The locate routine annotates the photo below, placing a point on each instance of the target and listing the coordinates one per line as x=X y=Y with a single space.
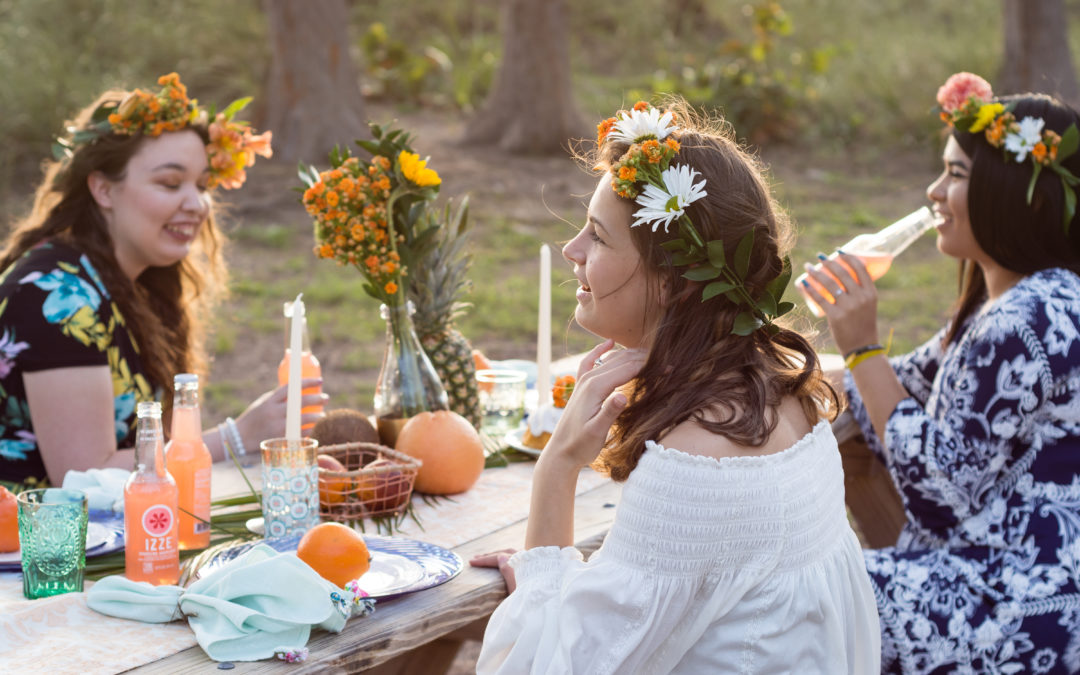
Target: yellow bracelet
x=856 y=359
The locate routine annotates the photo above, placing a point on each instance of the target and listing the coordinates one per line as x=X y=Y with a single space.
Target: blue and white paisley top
x=985 y=452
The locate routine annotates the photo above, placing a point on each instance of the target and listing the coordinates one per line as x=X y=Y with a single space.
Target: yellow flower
x=987 y=113
x=415 y=169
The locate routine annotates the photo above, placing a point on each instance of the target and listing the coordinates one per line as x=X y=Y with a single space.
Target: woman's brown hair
x=166 y=309
x=697 y=369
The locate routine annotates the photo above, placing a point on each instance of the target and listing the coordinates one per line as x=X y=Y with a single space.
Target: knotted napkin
x=104 y=488
x=249 y=609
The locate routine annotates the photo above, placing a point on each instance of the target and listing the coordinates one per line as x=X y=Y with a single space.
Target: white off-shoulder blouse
x=734 y=565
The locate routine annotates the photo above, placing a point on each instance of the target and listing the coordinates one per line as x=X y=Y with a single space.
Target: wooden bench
x=869 y=491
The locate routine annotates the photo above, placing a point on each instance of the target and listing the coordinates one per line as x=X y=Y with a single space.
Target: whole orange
x=449 y=447
x=9 y=521
x=338 y=553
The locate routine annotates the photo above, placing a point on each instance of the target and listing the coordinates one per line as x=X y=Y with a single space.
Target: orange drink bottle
x=189 y=463
x=309 y=365
x=151 y=552
x=875 y=250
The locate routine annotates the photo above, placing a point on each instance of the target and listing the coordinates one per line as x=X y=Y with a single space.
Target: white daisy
x=638 y=125
x=1023 y=141
x=663 y=206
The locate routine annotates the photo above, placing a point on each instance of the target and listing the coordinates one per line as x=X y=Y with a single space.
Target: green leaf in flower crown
x=1070 y=204
x=680 y=259
x=702 y=273
x=716 y=253
x=714 y=289
x=742 y=254
x=1070 y=140
x=235 y=107
x=1031 y=185
x=783 y=308
x=767 y=304
x=745 y=324
x=777 y=286
x=674 y=245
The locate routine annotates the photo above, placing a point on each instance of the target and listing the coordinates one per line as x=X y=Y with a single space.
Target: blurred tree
x=313 y=98
x=1037 y=54
x=531 y=107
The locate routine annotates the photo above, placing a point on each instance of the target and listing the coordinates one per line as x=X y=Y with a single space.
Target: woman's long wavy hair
x=697 y=369
x=166 y=309
x=1020 y=237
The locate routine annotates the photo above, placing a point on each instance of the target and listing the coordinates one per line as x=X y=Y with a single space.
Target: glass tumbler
x=52 y=537
x=290 y=496
x=502 y=400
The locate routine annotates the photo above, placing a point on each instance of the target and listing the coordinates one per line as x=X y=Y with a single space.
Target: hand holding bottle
x=852 y=313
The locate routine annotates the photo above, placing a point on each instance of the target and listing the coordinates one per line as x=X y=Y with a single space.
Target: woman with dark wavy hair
x=108 y=283
x=731 y=548
x=980 y=427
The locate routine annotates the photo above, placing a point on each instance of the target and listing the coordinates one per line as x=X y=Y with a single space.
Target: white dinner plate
x=514 y=440
x=97 y=535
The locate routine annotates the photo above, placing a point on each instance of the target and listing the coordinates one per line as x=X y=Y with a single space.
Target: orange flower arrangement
x=564 y=387
x=363 y=210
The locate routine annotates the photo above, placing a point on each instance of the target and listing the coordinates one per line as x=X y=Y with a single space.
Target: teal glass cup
x=52 y=537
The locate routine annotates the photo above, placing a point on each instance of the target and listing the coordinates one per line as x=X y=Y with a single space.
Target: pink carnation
x=959 y=88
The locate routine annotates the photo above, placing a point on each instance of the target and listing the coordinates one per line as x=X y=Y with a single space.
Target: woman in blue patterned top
x=107 y=284
x=980 y=427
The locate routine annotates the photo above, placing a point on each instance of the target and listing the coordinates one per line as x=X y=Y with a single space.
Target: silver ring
x=596 y=363
x=838 y=293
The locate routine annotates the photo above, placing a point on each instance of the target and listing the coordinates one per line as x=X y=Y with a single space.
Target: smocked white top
x=736 y=565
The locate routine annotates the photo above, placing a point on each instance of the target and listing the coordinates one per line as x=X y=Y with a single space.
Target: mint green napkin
x=254 y=605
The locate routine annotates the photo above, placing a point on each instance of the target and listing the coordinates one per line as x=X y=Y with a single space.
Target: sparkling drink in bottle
x=189 y=463
x=309 y=365
x=876 y=250
x=151 y=551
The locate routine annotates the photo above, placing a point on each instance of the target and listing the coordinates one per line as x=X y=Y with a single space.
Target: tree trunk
x=1037 y=54
x=531 y=107
x=313 y=98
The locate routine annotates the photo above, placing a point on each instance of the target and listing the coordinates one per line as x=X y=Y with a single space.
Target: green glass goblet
x=52 y=536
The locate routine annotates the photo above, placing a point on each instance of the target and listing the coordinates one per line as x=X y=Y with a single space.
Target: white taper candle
x=292 y=403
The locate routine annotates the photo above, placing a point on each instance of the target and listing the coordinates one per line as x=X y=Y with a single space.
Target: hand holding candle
x=292 y=403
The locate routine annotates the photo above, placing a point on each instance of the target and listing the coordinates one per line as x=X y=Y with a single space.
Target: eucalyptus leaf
x=1031 y=185
x=714 y=289
x=1070 y=140
x=701 y=273
x=742 y=254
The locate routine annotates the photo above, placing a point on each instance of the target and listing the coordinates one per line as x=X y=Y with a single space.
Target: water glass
x=290 y=494
x=52 y=537
x=502 y=400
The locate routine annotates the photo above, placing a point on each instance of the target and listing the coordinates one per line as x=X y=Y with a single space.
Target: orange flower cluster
x=564 y=387
x=639 y=163
x=153 y=114
x=232 y=149
x=349 y=205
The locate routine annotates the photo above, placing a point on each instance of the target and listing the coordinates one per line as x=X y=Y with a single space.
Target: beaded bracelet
x=234 y=438
x=860 y=355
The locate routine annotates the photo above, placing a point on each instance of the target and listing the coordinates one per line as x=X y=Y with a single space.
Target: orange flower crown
x=564 y=387
x=966 y=103
x=232 y=147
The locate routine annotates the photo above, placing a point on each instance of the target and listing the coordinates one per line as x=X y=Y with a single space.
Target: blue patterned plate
x=398 y=565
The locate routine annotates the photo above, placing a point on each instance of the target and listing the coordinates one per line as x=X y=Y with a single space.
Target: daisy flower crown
x=965 y=102
x=648 y=174
x=232 y=147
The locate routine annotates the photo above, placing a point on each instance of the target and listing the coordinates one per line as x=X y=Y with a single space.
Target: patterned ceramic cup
x=290 y=496
x=52 y=536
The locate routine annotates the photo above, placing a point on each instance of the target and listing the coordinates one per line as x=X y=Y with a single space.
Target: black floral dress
x=55 y=312
x=985 y=577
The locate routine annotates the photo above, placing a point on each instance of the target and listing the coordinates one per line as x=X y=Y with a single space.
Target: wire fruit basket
x=378 y=481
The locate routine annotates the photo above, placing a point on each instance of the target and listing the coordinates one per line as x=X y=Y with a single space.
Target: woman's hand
x=852 y=316
x=594 y=405
x=265 y=417
x=498 y=559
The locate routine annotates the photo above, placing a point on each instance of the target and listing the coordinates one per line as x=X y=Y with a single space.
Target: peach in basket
x=376 y=481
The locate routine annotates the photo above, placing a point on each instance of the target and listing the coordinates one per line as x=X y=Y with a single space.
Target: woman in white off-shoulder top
x=731 y=550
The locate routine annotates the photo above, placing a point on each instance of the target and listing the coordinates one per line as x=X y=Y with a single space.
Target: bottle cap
x=185 y=378
x=148 y=409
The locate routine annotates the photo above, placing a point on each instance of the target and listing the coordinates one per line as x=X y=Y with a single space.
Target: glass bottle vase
x=407 y=382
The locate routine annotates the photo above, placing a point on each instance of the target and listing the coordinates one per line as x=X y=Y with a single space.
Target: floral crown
x=662 y=191
x=232 y=147
x=965 y=102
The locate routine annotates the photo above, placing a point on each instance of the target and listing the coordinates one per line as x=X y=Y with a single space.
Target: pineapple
x=436 y=283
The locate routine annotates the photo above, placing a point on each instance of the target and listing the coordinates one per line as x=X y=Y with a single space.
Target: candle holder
x=290 y=495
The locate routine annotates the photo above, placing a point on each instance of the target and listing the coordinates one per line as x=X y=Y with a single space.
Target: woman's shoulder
x=692 y=438
x=43 y=258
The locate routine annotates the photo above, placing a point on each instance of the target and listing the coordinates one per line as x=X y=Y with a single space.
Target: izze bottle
x=151 y=551
x=189 y=463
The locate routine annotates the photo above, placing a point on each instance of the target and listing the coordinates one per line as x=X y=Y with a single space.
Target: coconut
x=344 y=426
